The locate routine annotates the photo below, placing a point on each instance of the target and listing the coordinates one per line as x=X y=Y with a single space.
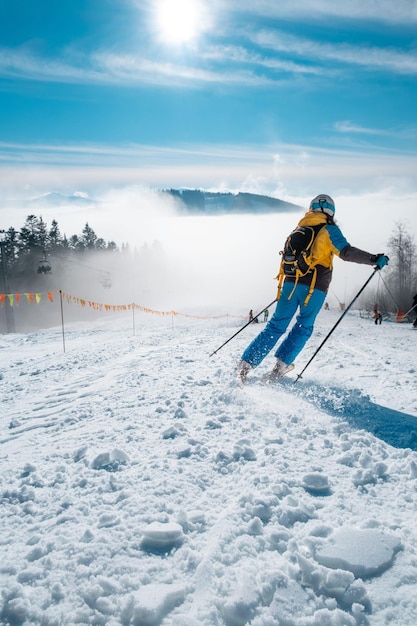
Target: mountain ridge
x=200 y=202
x=188 y=201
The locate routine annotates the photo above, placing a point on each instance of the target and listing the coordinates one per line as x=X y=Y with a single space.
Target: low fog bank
x=177 y=262
x=167 y=260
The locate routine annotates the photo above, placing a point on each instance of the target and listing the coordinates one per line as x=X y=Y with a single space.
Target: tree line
x=26 y=253
x=39 y=259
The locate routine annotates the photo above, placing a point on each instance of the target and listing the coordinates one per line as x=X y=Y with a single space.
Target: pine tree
x=89 y=238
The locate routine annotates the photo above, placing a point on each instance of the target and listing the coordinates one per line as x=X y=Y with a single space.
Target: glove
x=380 y=260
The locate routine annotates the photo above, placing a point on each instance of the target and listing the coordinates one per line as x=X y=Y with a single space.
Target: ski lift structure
x=105 y=279
x=399 y=316
x=104 y=276
x=44 y=267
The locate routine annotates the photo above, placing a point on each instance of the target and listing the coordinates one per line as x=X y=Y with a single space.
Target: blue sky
x=103 y=73
x=284 y=98
x=114 y=98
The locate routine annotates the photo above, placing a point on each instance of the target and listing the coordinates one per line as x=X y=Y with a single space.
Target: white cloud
x=371 y=57
x=220 y=64
x=348 y=127
x=385 y=11
x=123 y=69
x=239 y=54
x=26 y=63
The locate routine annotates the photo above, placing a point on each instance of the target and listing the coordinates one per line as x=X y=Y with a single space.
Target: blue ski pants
x=300 y=332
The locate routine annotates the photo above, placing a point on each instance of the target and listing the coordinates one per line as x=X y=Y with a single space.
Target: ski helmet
x=323 y=203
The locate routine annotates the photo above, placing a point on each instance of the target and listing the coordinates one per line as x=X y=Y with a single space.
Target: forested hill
x=189 y=201
x=199 y=202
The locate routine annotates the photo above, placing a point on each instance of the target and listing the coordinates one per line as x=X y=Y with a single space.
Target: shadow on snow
x=395 y=428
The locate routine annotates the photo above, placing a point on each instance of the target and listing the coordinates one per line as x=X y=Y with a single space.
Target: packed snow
x=140 y=485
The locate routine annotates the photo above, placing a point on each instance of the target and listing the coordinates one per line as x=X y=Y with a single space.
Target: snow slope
x=139 y=485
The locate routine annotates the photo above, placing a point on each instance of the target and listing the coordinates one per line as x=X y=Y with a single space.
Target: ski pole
x=337 y=323
x=243 y=327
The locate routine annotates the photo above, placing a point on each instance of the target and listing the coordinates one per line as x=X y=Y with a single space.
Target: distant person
x=377 y=317
x=326 y=306
x=266 y=314
x=252 y=319
x=305 y=294
x=415 y=310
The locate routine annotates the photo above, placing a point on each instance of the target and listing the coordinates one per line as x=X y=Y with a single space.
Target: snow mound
x=316 y=483
x=365 y=553
x=162 y=535
x=110 y=461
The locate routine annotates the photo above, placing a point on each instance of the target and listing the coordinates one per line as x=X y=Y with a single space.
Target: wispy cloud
x=126 y=154
x=127 y=69
x=242 y=55
x=371 y=57
x=24 y=63
x=277 y=55
x=349 y=127
x=379 y=11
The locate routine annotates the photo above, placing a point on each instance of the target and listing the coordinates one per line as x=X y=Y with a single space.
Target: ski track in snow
x=249 y=485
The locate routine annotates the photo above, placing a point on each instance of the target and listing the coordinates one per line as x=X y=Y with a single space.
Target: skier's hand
x=380 y=260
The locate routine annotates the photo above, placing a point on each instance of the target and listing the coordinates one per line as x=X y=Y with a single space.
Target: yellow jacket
x=328 y=242
x=322 y=250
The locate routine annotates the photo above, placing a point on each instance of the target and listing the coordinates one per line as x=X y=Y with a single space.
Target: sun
x=179 y=21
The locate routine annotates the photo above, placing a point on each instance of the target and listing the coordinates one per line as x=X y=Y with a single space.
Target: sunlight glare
x=179 y=21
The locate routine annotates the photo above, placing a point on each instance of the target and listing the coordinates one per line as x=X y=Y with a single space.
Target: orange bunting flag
x=97 y=306
x=14 y=299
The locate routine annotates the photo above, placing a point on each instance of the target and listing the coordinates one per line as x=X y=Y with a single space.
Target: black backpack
x=296 y=260
x=297 y=250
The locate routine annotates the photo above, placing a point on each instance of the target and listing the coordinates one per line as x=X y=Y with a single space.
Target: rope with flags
x=14 y=299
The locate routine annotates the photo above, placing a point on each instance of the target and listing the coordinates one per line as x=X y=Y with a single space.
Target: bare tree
x=402 y=274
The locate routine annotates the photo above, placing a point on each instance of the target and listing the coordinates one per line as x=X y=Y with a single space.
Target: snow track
x=248 y=486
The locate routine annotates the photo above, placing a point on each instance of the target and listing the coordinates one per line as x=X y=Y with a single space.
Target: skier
x=266 y=314
x=328 y=242
x=377 y=317
x=415 y=310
